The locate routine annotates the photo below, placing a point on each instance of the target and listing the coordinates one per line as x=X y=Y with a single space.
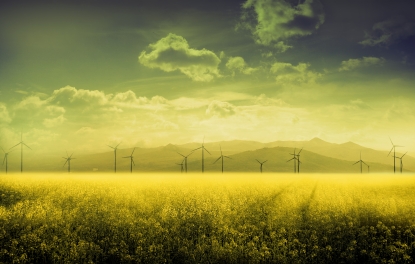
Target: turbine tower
x=295 y=160
x=401 y=160
x=298 y=159
x=260 y=167
x=181 y=166
x=115 y=156
x=68 y=160
x=361 y=161
x=6 y=154
x=131 y=160
x=185 y=159
x=203 y=157
x=394 y=156
x=21 y=143
x=221 y=157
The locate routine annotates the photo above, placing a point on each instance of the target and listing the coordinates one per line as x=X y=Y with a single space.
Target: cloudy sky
x=77 y=75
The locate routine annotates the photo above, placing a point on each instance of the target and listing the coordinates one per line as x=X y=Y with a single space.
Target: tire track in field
x=260 y=209
x=305 y=207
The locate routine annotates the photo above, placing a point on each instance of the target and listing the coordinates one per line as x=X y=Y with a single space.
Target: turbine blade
x=110 y=147
x=364 y=163
x=258 y=161
x=207 y=151
x=290 y=159
x=356 y=162
x=391 y=140
x=264 y=161
x=299 y=151
x=227 y=157
x=132 y=152
x=189 y=154
x=117 y=145
x=404 y=154
x=65 y=163
x=390 y=151
x=133 y=161
x=181 y=154
x=398 y=146
x=217 y=160
x=16 y=145
x=196 y=148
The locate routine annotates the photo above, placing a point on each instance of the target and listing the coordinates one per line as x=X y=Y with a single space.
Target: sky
x=81 y=75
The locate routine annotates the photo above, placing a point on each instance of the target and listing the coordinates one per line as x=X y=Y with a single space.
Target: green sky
x=77 y=75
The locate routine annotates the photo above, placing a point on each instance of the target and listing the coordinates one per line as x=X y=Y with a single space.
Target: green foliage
x=167 y=219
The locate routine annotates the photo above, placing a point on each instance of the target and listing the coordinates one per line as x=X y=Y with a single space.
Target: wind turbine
x=21 y=143
x=221 y=157
x=131 y=160
x=298 y=159
x=295 y=159
x=185 y=159
x=68 y=160
x=401 y=160
x=361 y=161
x=394 y=156
x=115 y=156
x=203 y=157
x=181 y=166
x=260 y=167
x=6 y=154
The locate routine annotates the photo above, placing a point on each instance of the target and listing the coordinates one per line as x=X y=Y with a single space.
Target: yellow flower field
x=207 y=218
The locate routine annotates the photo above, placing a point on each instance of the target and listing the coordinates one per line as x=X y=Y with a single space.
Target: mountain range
x=317 y=156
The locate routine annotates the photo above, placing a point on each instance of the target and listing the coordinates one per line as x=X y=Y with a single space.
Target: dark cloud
x=389 y=31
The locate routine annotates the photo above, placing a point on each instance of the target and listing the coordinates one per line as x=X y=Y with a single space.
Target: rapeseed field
x=207 y=218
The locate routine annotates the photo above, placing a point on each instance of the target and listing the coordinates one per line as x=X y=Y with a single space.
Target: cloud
x=30 y=103
x=389 y=31
x=262 y=99
x=52 y=122
x=220 y=109
x=173 y=53
x=84 y=131
x=290 y=74
x=4 y=114
x=130 y=100
x=352 y=64
x=71 y=97
x=278 y=20
x=239 y=64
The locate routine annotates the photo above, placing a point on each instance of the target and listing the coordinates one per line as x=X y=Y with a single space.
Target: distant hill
x=317 y=156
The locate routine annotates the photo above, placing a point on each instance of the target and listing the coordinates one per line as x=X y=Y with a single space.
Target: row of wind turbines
x=183 y=164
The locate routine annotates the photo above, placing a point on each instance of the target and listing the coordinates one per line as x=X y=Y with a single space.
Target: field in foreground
x=210 y=218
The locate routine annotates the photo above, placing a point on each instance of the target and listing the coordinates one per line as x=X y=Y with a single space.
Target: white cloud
x=278 y=20
x=30 y=103
x=288 y=73
x=389 y=31
x=262 y=99
x=52 y=122
x=239 y=64
x=352 y=64
x=69 y=96
x=4 y=114
x=84 y=131
x=129 y=100
x=220 y=109
x=173 y=53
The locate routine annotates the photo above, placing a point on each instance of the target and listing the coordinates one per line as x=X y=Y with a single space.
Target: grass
x=210 y=218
